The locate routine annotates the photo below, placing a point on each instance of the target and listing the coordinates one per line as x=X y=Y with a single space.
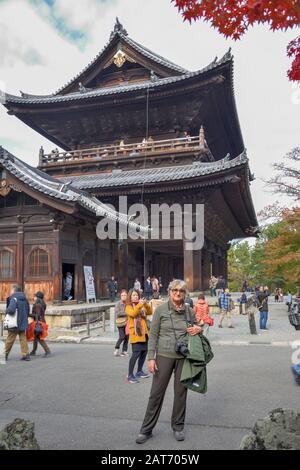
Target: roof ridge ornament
x=153 y=76
x=82 y=88
x=118 y=28
x=202 y=138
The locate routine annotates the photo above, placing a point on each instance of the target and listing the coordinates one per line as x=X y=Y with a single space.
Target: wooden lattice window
x=7 y=263
x=39 y=262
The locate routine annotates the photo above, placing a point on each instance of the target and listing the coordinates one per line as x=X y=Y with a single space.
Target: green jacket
x=162 y=339
x=193 y=374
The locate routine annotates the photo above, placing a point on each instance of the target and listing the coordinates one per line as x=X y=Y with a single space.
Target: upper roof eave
x=27 y=99
x=119 y=33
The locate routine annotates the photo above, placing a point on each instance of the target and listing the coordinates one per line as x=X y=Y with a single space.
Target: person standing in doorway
x=112 y=288
x=18 y=302
x=121 y=320
x=68 y=284
x=137 y=310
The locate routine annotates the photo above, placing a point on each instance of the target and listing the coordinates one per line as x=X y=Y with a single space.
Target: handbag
x=38 y=329
x=121 y=322
x=11 y=321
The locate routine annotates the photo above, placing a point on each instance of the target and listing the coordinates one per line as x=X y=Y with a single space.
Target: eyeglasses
x=181 y=291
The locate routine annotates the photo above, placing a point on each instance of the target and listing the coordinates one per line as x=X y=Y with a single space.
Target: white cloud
x=84 y=15
x=14 y=49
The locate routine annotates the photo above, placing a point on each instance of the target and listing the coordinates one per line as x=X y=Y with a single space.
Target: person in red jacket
x=202 y=311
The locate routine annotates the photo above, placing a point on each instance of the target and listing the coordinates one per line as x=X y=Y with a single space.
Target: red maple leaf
x=233 y=18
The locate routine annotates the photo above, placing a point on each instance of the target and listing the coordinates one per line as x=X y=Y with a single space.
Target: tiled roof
x=48 y=99
x=43 y=183
x=156 y=175
x=121 y=33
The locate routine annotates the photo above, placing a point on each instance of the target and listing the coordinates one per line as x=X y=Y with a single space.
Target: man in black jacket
x=262 y=303
x=112 y=287
x=18 y=302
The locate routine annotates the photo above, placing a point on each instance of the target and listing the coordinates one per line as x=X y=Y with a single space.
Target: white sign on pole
x=89 y=283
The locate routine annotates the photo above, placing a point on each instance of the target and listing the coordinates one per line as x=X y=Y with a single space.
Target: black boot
x=26 y=358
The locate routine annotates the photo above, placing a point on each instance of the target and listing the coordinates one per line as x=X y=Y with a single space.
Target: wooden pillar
x=215 y=265
x=192 y=268
x=123 y=265
x=225 y=266
x=222 y=265
x=79 y=276
x=57 y=266
x=20 y=257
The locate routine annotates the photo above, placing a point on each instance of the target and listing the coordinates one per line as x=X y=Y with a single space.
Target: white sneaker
x=116 y=352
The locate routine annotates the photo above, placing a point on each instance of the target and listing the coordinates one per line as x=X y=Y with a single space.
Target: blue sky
x=60 y=22
x=50 y=41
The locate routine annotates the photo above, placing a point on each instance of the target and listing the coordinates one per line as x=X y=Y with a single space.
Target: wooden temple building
x=132 y=124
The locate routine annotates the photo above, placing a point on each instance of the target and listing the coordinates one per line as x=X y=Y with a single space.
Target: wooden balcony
x=112 y=152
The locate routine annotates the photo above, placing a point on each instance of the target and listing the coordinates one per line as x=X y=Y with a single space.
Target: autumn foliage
x=283 y=252
x=233 y=18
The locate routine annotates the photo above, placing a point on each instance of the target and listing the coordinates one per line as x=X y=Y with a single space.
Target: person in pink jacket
x=202 y=311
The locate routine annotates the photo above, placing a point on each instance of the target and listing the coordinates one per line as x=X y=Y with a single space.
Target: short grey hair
x=179 y=284
x=16 y=288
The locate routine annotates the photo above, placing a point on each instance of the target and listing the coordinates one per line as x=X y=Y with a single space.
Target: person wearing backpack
x=17 y=305
x=38 y=314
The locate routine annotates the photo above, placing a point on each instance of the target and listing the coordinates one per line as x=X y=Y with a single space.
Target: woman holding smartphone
x=137 y=310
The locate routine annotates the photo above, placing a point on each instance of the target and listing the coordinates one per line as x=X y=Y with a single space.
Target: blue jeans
x=263 y=320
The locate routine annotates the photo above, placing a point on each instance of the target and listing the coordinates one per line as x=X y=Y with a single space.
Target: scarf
x=138 y=331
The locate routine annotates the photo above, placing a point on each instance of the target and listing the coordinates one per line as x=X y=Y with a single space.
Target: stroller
x=294 y=315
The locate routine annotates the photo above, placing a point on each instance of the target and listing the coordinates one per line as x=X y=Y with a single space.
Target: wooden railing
x=108 y=152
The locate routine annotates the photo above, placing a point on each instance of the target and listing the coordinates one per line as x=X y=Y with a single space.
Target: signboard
x=89 y=283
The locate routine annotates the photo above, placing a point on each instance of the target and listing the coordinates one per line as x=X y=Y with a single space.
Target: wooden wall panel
x=5 y=288
x=8 y=237
x=103 y=267
x=27 y=252
x=32 y=287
